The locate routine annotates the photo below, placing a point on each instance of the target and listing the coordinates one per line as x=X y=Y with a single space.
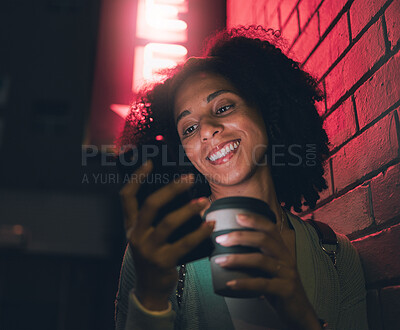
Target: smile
x=224 y=150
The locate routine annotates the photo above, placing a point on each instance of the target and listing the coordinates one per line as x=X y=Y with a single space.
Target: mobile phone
x=166 y=168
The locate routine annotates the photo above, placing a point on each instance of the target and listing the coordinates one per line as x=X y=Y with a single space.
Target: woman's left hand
x=282 y=284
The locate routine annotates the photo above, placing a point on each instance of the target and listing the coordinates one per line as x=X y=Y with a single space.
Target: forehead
x=196 y=88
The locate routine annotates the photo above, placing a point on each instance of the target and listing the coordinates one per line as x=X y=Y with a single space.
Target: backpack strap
x=327 y=238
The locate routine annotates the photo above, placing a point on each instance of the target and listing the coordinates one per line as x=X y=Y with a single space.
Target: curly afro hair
x=251 y=59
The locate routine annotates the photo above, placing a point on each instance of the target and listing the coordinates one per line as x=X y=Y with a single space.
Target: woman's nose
x=209 y=128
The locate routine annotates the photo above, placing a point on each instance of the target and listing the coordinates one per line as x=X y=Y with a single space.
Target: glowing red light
x=159 y=138
x=120 y=109
x=158 y=22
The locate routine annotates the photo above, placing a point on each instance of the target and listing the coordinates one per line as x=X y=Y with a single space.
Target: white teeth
x=223 y=152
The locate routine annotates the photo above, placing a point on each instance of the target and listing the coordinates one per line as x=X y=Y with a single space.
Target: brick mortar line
x=353 y=101
x=371 y=206
x=368 y=74
x=368 y=177
x=385 y=33
x=369 y=125
x=345 y=10
x=397 y=123
x=327 y=31
x=295 y=7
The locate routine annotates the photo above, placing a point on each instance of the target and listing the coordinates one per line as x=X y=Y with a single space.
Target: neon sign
x=159 y=25
x=160 y=34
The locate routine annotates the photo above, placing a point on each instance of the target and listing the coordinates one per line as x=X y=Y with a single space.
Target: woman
x=246 y=118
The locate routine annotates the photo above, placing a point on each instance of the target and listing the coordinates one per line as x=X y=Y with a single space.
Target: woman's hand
x=282 y=284
x=155 y=259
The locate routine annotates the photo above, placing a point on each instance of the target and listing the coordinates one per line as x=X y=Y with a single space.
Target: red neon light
x=158 y=20
x=159 y=138
x=120 y=109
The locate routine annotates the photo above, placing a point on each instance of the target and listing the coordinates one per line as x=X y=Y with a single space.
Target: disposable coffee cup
x=224 y=212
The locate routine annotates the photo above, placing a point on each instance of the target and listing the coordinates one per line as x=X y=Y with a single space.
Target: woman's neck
x=260 y=185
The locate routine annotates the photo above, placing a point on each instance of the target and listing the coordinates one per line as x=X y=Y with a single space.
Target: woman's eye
x=224 y=108
x=189 y=130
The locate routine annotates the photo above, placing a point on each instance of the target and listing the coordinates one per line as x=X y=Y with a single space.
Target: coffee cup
x=224 y=211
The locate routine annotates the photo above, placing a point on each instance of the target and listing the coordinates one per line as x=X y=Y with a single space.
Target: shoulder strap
x=327 y=238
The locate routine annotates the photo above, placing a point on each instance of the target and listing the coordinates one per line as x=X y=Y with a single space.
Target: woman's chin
x=225 y=179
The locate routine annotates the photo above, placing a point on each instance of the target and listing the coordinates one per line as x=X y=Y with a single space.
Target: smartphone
x=165 y=170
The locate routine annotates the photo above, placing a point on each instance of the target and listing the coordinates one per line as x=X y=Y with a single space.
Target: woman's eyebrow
x=181 y=115
x=210 y=97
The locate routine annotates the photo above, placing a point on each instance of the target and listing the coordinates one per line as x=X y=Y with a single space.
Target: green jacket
x=337 y=295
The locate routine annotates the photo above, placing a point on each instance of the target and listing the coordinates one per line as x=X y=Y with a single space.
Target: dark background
x=61 y=240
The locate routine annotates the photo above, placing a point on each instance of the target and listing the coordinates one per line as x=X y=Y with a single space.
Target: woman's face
x=224 y=138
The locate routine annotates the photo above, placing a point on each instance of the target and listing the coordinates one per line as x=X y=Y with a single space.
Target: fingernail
x=201 y=201
x=220 y=260
x=220 y=239
x=241 y=217
x=231 y=283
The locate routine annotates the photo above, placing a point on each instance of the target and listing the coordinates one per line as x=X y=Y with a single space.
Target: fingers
x=251 y=260
x=129 y=191
x=275 y=286
x=257 y=222
x=190 y=241
x=267 y=244
x=175 y=219
x=161 y=197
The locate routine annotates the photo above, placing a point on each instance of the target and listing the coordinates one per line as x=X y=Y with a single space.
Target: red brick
x=329 y=50
x=291 y=29
x=380 y=255
x=286 y=7
x=369 y=151
x=374 y=312
x=392 y=15
x=273 y=21
x=380 y=92
x=307 y=41
x=385 y=189
x=259 y=12
x=272 y=7
x=239 y=12
x=328 y=11
x=390 y=300
x=361 y=58
x=340 y=125
x=348 y=213
x=361 y=12
x=306 y=9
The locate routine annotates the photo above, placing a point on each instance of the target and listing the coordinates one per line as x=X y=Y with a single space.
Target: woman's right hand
x=155 y=259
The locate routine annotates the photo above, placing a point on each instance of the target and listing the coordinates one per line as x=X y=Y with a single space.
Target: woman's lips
x=223 y=152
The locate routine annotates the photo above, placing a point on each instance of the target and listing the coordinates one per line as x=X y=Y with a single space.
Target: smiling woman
x=229 y=111
x=219 y=132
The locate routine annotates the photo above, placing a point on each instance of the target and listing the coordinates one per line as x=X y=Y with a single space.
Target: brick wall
x=352 y=48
